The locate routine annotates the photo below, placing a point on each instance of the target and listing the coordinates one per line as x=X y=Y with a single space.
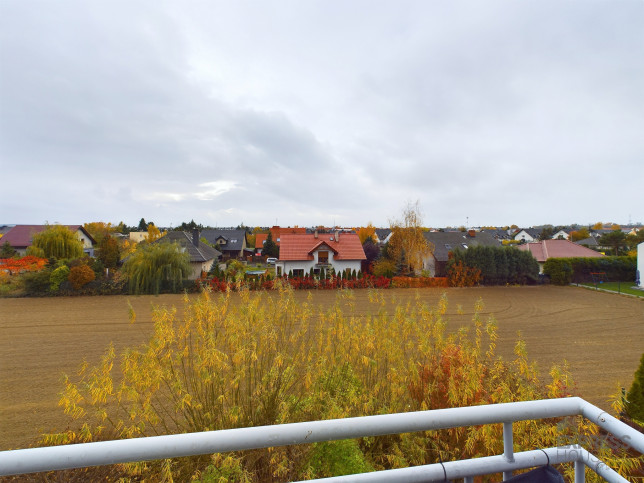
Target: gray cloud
x=309 y=113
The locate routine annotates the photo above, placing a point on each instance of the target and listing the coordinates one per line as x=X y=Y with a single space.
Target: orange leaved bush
x=80 y=276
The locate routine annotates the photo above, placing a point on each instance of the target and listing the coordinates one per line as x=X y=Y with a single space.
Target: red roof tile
x=546 y=249
x=301 y=247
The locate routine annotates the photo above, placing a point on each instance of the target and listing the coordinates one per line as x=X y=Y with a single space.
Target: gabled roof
x=277 y=232
x=347 y=246
x=20 y=236
x=201 y=253
x=588 y=242
x=546 y=249
x=234 y=238
x=383 y=233
x=447 y=241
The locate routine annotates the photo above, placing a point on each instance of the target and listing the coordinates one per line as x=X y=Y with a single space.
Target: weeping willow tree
x=155 y=265
x=56 y=241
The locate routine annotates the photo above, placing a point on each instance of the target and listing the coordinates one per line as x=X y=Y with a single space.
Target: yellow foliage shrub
x=266 y=359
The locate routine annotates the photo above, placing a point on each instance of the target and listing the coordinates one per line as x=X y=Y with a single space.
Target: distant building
x=20 y=237
x=301 y=253
x=546 y=249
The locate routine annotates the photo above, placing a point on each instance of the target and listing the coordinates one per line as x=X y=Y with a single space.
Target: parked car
x=271 y=260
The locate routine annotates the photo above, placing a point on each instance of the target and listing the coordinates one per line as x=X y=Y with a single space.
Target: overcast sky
x=321 y=112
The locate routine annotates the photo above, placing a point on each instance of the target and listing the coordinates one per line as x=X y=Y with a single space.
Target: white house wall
x=640 y=264
x=306 y=265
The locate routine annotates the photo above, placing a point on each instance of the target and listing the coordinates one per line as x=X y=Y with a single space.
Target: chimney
x=472 y=233
x=195 y=237
x=337 y=235
x=315 y=235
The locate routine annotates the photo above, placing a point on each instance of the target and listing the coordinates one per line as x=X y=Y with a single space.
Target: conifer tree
x=270 y=247
x=635 y=397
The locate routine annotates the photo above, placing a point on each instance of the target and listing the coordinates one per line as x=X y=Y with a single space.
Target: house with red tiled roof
x=543 y=250
x=20 y=237
x=277 y=232
x=299 y=253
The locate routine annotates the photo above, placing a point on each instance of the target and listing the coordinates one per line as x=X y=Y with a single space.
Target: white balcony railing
x=171 y=446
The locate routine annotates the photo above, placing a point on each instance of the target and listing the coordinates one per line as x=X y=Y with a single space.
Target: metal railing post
x=580 y=471
x=508 y=447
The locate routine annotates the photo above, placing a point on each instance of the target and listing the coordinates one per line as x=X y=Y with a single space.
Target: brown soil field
x=600 y=335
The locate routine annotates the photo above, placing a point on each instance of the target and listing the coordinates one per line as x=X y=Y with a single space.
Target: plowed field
x=601 y=336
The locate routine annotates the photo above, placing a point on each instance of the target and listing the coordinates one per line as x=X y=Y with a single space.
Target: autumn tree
x=57 y=241
x=367 y=232
x=580 y=234
x=153 y=233
x=109 y=252
x=372 y=252
x=99 y=230
x=155 y=266
x=407 y=245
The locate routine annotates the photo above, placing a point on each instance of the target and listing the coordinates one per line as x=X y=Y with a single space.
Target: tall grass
x=266 y=359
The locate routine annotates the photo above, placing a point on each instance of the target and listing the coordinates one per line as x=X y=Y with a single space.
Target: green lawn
x=618 y=287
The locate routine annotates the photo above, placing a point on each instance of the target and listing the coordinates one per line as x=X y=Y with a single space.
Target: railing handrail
x=189 y=444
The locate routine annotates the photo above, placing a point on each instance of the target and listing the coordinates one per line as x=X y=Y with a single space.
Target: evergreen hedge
x=498 y=265
x=563 y=271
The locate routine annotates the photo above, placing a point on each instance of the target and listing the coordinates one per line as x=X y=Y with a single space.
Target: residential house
x=499 y=234
x=20 y=237
x=561 y=235
x=138 y=236
x=299 y=253
x=590 y=242
x=276 y=233
x=526 y=235
x=231 y=243
x=202 y=256
x=444 y=242
x=543 y=250
x=383 y=235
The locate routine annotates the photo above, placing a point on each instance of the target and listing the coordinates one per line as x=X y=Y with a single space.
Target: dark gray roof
x=382 y=233
x=234 y=239
x=499 y=234
x=445 y=242
x=588 y=242
x=202 y=253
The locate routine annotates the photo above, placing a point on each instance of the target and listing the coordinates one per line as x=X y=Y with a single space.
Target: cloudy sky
x=321 y=112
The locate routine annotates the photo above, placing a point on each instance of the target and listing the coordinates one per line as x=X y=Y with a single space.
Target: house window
x=448 y=246
x=298 y=272
x=234 y=240
x=464 y=246
x=323 y=257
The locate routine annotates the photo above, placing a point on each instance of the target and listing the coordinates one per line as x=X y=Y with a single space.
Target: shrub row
x=300 y=283
x=311 y=283
x=498 y=265
x=563 y=271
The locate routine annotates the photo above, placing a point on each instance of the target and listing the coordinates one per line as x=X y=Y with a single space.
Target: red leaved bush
x=24 y=264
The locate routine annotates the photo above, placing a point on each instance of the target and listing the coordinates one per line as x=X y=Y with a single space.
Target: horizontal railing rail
x=189 y=444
